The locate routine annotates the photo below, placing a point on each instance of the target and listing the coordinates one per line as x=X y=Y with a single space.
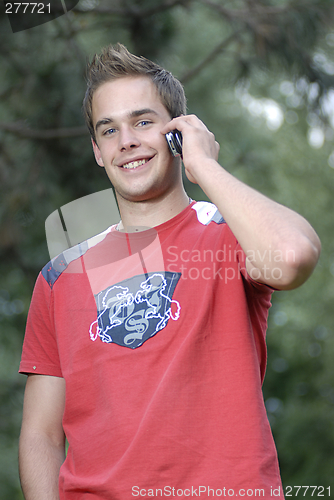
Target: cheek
x=107 y=154
x=156 y=140
x=164 y=143
x=164 y=148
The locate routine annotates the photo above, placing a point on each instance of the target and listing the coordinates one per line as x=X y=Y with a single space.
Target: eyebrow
x=132 y=114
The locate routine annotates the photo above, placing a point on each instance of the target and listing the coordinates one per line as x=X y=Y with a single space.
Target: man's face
x=128 y=116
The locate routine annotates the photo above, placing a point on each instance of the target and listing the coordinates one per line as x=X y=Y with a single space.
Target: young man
x=145 y=346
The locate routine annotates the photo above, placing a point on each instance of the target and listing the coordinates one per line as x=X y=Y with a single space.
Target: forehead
x=120 y=97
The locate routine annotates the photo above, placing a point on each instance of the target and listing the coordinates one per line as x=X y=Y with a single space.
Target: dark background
x=260 y=74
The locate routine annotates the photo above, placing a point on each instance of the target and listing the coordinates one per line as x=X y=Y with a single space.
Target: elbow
x=299 y=262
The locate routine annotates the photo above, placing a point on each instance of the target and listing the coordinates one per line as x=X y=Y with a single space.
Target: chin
x=137 y=196
x=143 y=195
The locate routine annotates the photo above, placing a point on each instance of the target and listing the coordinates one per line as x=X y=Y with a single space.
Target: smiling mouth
x=135 y=164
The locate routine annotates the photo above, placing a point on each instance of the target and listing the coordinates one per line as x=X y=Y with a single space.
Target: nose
x=128 y=139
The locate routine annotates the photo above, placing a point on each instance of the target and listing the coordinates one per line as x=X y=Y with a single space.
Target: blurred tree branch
x=272 y=30
x=209 y=58
x=23 y=131
x=126 y=9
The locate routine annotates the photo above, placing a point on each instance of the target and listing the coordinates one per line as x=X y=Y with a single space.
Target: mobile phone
x=174 y=140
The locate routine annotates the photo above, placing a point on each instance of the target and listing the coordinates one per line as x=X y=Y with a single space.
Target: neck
x=141 y=215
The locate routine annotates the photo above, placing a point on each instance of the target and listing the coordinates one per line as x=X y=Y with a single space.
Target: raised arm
x=281 y=247
x=42 y=439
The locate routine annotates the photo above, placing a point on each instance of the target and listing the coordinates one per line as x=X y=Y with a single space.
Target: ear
x=97 y=153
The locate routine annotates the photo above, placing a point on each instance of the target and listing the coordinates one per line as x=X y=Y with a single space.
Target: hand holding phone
x=174 y=140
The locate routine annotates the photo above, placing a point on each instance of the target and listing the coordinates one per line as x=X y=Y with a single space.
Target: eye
x=109 y=131
x=142 y=123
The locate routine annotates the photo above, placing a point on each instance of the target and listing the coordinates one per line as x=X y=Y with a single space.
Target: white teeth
x=134 y=164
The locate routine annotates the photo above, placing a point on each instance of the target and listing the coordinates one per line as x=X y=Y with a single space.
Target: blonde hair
x=115 y=61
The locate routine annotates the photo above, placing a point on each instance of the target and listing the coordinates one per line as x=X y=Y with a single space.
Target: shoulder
x=207 y=212
x=56 y=266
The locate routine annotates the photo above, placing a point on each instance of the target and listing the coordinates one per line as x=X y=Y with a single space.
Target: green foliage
x=236 y=59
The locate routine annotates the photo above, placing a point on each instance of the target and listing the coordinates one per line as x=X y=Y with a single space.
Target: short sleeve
x=259 y=302
x=40 y=350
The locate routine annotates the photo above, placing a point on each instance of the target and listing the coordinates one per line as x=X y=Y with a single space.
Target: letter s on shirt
x=169 y=250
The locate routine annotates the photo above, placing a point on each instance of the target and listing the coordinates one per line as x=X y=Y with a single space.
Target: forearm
x=281 y=247
x=39 y=462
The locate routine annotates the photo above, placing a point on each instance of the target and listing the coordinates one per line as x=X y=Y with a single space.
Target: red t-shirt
x=160 y=336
